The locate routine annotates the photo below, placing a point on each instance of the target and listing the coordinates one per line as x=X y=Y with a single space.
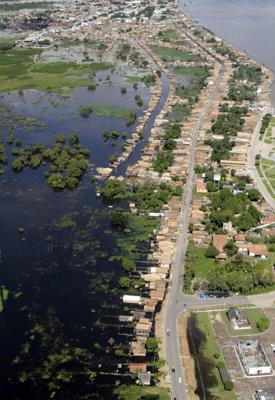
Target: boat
x=98 y=194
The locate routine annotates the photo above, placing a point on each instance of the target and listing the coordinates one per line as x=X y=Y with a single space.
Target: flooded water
x=59 y=327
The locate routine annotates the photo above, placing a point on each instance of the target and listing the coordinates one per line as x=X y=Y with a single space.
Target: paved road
x=256 y=148
x=177 y=299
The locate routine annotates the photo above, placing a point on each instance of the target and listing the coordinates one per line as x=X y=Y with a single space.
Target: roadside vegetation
x=209 y=357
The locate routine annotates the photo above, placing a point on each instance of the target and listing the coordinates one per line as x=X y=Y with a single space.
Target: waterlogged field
x=59 y=291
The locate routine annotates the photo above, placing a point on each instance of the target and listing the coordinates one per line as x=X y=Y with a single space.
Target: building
x=253 y=357
x=238 y=319
x=265 y=394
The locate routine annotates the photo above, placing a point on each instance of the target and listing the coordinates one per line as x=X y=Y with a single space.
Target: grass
x=190 y=71
x=172 y=54
x=267 y=161
x=270 y=191
x=132 y=79
x=253 y=314
x=271 y=173
x=209 y=348
x=18 y=72
x=263 y=264
x=169 y=34
x=134 y=392
x=204 y=265
x=258 y=168
x=105 y=110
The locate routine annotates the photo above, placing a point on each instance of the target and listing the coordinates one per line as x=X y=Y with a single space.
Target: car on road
x=173 y=368
x=168 y=332
x=179 y=380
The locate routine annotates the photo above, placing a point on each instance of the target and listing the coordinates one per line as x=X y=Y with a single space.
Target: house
x=201 y=187
x=227 y=226
x=219 y=241
x=265 y=394
x=258 y=250
x=134 y=367
x=144 y=378
x=239 y=238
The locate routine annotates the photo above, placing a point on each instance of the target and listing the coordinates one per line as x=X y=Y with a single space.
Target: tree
x=263 y=324
x=231 y=249
x=60 y=138
x=119 y=353
x=124 y=282
x=74 y=138
x=254 y=194
x=229 y=386
x=18 y=164
x=56 y=181
x=212 y=252
x=119 y=218
x=123 y=90
x=203 y=208
x=152 y=345
x=128 y=265
x=211 y=187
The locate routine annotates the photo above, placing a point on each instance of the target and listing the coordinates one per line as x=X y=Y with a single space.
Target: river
x=246 y=24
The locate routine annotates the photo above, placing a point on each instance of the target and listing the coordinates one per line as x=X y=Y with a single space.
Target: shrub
x=217 y=355
x=123 y=90
x=229 y=386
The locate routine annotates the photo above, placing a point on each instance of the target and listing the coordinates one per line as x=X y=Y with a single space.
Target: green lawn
x=172 y=54
x=254 y=315
x=190 y=71
x=209 y=348
x=258 y=168
x=267 y=161
x=270 y=191
x=169 y=34
x=265 y=167
x=204 y=265
x=263 y=264
x=134 y=392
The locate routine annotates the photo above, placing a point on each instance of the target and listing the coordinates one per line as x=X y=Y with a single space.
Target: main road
x=177 y=301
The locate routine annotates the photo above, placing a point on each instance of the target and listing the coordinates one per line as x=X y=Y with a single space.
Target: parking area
x=244 y=386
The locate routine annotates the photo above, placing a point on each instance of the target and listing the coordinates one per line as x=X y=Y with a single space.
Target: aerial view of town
x=137 y=193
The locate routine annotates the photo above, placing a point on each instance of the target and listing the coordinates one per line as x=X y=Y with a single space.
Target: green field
x=253 y=314
x=209 y=348
x=190 y=71
x=134 y=392
x=204 y=265
x=18 y=71
x=172 y=54
x=267 y=161
x=169 y=34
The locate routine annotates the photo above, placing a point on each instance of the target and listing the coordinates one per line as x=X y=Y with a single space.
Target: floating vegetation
x=3 y=296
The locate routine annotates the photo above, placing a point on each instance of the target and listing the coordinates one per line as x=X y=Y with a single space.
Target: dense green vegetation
x=147 y=197
x=190 y=264
x=208 y=351
x=64 y=158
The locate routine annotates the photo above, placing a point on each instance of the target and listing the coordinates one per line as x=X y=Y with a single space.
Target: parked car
x=168 y=332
